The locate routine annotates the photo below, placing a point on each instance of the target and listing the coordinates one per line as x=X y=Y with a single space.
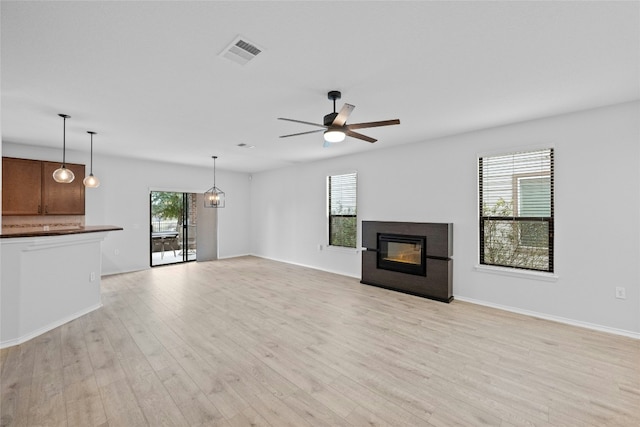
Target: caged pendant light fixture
x=62 y=174
x=214 y=197
x=91 y=181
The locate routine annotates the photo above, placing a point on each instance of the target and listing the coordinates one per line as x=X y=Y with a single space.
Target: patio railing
x=164 y=225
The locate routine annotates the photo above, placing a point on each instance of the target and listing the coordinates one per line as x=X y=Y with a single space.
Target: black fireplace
x=402 y=253
x=411 y=257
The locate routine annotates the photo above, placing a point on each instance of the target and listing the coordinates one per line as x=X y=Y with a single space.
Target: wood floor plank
x=48 y=354
x=87 y=411
x=314 y=411
x=51 y=412
x=248 y=417
x=155 y=401
x=254 y=342
x=277 y=413
x=15 y=384
x=120 y=404
x=14 y=403
x=198 y=409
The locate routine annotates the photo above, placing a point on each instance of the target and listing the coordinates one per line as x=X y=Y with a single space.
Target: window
x=516 y=210
x=342 y=210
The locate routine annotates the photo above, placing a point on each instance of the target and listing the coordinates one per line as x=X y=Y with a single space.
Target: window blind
x=516 y=210
x=342 y=210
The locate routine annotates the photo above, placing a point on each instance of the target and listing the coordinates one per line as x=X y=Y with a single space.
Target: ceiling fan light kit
x=335 y=124
x=333 y=136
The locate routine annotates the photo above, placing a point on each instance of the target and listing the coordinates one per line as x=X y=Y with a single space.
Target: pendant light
x=62 y=174
x=91 y=181
x=214 y=197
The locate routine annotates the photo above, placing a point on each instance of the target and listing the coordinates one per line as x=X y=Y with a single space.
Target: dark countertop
x=33 y=232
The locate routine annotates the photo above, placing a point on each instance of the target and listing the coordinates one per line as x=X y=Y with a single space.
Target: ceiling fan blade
x=301 y=133
x=343 y=115
x=360 y=136
x=304 y=123
x=373 y=124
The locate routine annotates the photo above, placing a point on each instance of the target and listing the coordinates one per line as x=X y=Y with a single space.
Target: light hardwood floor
x=252 y=342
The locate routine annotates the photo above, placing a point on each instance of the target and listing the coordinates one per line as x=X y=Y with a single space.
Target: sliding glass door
x=173 y=219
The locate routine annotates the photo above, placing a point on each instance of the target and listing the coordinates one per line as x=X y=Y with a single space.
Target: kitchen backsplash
x=40 y=222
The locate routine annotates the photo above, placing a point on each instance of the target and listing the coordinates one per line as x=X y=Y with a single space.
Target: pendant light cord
x=91 y=169
x=64 y=140
x=214 y=172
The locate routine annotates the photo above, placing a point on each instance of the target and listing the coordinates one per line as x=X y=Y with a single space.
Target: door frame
x=182 y=234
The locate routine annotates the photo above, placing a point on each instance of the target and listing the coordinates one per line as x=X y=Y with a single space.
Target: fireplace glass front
x=402 y=253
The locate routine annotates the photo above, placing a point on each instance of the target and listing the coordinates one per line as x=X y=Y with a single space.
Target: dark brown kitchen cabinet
x=62 y=199
x=21 y=186
x=28 y=188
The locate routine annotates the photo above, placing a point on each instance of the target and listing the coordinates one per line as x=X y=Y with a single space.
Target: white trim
x=128 y=270
x=232 y=256
x=516 y=272
x=341 y=171
x=313 y=267
x=587 y=325
x=175 y=190
x=58 y=241
x=343 y=249
x=37 y=243
x=513 y=150
x=47 y=328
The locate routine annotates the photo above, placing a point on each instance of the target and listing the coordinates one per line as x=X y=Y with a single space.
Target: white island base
x=47 y=281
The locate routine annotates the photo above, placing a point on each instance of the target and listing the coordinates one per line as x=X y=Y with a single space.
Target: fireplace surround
x=409 y=257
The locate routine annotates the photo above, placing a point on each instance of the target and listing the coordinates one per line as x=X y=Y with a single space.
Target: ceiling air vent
x=241 y=51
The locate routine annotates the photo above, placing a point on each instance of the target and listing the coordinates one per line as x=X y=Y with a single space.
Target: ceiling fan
x=335 y=127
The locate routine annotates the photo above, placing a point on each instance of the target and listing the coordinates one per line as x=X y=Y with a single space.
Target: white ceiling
x=148 y=78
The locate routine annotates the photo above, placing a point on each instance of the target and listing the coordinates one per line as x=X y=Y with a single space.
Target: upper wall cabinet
x=28 y=188
x=62 y=199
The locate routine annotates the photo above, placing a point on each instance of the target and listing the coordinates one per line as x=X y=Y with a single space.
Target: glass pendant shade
x=91 y=181
x=214 y=197
x=62 y=174
x=332 y=135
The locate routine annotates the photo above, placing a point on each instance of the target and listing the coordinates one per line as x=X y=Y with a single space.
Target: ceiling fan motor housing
x=329 y=118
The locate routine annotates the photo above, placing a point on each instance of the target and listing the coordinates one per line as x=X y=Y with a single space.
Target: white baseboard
x=131 y=270
x=47 y=328
x=593 y=326
x=234 y=256
x=313 y=267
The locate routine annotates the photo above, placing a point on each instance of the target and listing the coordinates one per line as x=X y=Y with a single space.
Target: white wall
x=281 y=214
x=597 y=212
x=123 y=200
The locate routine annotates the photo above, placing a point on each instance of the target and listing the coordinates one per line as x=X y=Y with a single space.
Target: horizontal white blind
x=342 y=194
x=343 y=210
x=516 y=209
x=517 y=184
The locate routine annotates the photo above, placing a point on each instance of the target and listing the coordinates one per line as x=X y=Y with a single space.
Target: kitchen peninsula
x=50 y=275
